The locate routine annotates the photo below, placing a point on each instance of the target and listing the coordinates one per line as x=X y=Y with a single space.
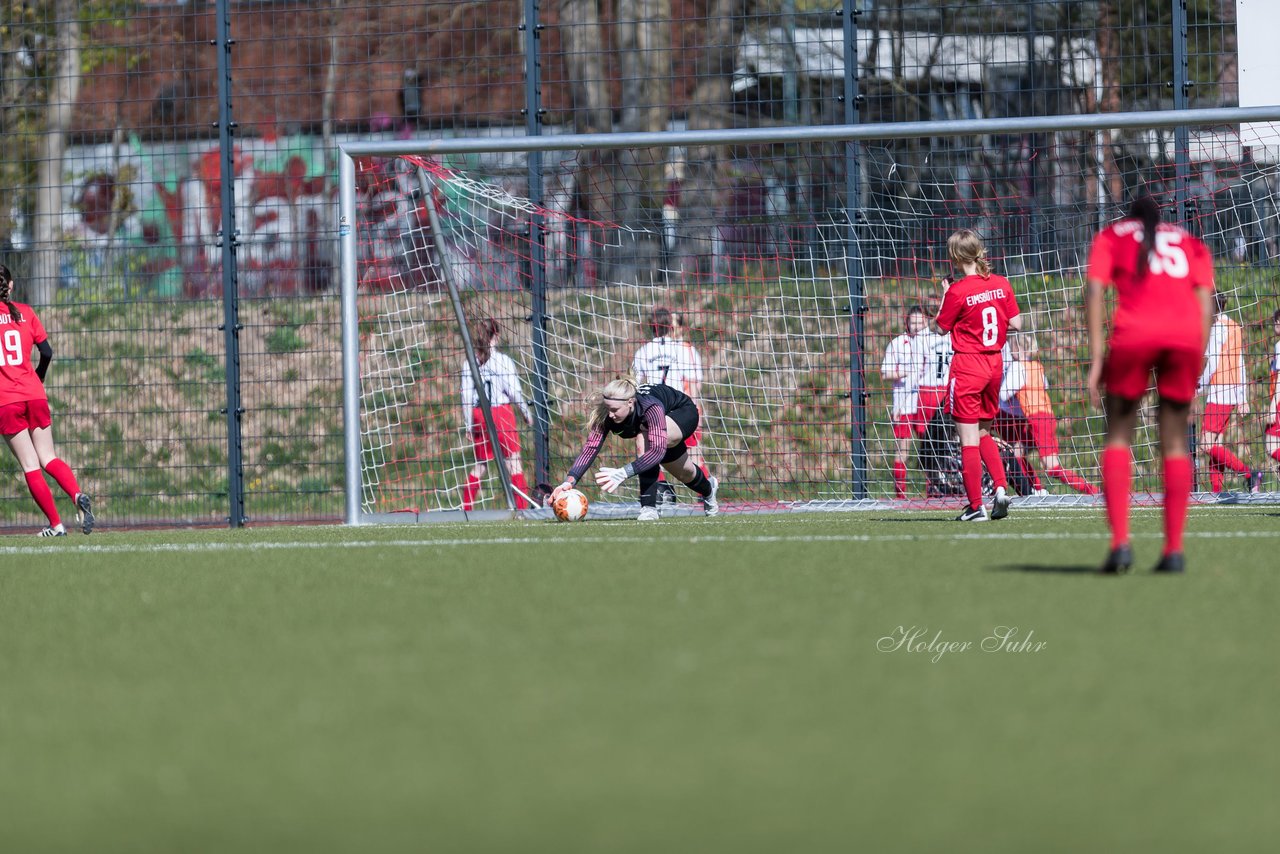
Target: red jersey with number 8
x=977 y=311
x=18 y=380
x=1159 y=306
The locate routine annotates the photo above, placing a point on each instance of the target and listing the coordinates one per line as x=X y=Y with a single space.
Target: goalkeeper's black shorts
x=686 y=418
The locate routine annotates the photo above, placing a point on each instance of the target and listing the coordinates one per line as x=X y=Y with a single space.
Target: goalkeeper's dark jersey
x=648 y=416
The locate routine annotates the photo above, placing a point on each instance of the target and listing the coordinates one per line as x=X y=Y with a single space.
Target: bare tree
x=1110 y=67
x=582 y=37
x=710 y=107
x=726 y=21
x=644 y=65
x=1228 y=56
x=64 y=88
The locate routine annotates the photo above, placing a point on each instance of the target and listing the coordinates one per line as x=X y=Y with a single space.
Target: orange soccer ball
x=571 y=506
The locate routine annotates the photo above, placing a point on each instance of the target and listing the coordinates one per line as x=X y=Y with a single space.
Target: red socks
x=1216 y=480
x=1116 y=483
x=1073 y=480
x=470 y=491
x=971 y=472
x=990 y=452
x=518 y=481
x=61 y=472
x=900 y=478
x=972 y=459
x=1220 y=455
x=1177 y=495
x=44 y=498
x=1029 y=471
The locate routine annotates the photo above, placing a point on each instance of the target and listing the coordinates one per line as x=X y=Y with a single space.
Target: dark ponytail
x=6 y=294
x=483 y=331
x=1145 y=209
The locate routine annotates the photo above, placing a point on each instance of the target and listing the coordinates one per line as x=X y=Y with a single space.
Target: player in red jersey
x=978 y=311
x=24 y=410
x=1163 y=278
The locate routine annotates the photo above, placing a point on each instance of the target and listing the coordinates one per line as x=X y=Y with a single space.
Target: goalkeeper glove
x=610 y=479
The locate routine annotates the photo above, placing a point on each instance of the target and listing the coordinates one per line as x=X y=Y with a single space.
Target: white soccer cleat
x=1040 y=493
x=59 y=531
x=648 y=514
x=710 y=506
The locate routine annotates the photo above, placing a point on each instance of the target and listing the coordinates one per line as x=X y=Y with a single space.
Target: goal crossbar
x=813 y=133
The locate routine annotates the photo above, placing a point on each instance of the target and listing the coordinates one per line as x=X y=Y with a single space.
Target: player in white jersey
x=669 y=361
x=502 y=386
x=1223 y=383
x=901 y=366
x=932 y=352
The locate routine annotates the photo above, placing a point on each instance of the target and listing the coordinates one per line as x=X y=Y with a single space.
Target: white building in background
x=819 y=54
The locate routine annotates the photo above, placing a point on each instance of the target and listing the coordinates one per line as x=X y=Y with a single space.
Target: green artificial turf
x=697 y=685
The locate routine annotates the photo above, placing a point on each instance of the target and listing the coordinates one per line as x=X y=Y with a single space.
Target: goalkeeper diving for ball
x=666 y=418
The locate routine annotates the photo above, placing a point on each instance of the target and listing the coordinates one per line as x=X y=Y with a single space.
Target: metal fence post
x=1034 y=225
x=853 y=260
x=228 y=240
x=1181 y=134
x=537 y=246
x=1182 y=166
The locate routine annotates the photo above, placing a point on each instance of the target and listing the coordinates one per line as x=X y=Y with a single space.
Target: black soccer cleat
x=1119 y=561
x=1000 y=505
x=973 y=514
x=1171 y=564
x=84 y=512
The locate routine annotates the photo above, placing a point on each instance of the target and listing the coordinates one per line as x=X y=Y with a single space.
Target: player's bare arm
x=1093 y=313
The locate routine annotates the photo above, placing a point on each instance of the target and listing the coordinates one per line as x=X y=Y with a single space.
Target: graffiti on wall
x=146 y=220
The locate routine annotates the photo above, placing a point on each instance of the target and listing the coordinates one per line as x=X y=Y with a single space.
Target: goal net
x=742 y=271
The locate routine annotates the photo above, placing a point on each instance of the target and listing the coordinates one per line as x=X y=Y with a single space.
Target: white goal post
x=788 y=296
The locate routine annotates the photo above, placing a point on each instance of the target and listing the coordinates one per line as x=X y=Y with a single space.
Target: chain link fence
x=115 y=161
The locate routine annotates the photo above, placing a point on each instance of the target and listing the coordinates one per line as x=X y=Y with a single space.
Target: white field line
x=300 y=545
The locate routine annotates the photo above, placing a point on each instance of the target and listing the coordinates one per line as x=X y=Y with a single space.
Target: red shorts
x=1273 y=429
x=508 y=436
x=1127 y=372
x=692 y=441
x=1216 y=417
x=905 y=426
x=975 y=387
x=24 y=415
x=1044 y=432
x=932 y=398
